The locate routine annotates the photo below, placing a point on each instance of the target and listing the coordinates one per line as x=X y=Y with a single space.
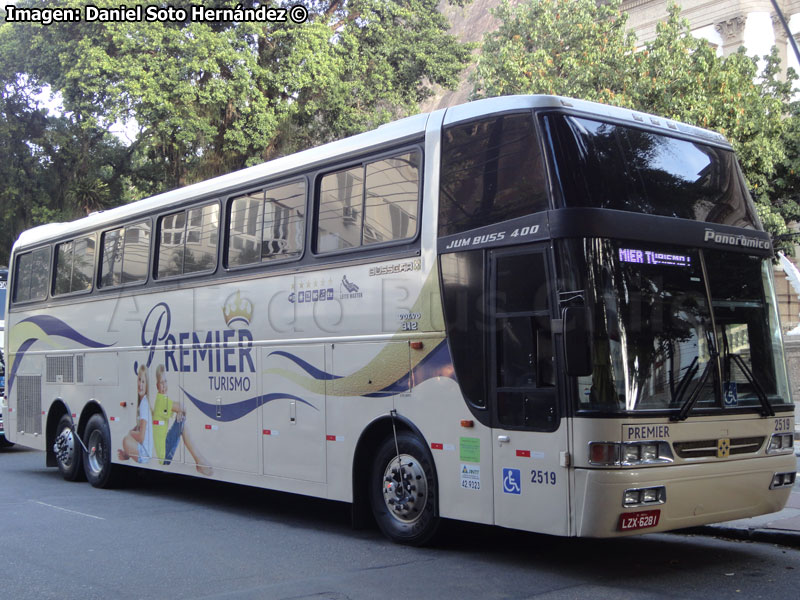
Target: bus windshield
x=604 y=165
x=670 y=323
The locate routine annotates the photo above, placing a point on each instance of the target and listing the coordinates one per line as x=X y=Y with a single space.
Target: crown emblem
x=237 y=311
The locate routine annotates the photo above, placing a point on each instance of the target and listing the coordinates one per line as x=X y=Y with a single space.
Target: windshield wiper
x=683 y=384
x=692 y=399
x=766 y=407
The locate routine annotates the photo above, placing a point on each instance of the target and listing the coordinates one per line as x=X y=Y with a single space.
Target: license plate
x=639 y=520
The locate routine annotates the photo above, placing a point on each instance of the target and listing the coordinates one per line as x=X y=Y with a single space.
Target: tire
x=97 y=461
x=4 y=443
x=69 y=454
x=404 y=500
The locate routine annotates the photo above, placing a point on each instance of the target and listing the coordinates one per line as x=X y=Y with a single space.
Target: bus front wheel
x=67 y=448
x=403 y=490
x=97 y=461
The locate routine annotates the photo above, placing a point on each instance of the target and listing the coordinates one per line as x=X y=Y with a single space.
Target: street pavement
x=779 y=528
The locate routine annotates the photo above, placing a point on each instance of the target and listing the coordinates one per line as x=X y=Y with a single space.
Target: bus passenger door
x=529 y=437
x=293 y=412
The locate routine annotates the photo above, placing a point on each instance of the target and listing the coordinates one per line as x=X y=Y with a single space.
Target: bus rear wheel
x=403 y=490
x=67 y=448
x=97 y=461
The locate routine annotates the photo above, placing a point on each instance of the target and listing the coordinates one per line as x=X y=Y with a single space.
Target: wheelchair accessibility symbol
x=511 y=481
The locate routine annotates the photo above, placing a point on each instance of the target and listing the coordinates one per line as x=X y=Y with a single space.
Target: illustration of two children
x=153 y=437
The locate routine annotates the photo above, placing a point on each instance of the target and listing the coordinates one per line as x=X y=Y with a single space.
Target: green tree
x=52 y=168
x=211 y=97
x=581 y=48
x=208 y=97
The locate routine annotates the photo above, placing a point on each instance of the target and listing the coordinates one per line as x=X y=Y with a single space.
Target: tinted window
x=74 y=266
x=524 y=370
x=463 y=293
x=188 y=241
x=610 y=166
x=492 y=171
x=373 y=203
x=267 y=225
x=125 y=255
x=31 y=276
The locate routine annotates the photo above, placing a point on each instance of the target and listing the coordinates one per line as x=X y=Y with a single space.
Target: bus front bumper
x=696 y=494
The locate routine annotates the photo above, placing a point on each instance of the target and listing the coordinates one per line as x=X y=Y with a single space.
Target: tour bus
x=530 y=311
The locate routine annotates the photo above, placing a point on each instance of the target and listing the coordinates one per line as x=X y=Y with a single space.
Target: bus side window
x=126 y=253
x=74 y=268
x=267 y=225
x=492 y=171
x=202 y=232
x=392 y=199
x=31 y=276
x=188 y=241
x=339 y=221
x=374 y=203
x=284 y=222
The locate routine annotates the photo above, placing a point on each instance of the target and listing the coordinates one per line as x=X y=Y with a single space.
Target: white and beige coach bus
x=534 y=312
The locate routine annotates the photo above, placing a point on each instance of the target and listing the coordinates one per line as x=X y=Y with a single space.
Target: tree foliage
x=212 y=97
x=52 y=168
x=582 y=48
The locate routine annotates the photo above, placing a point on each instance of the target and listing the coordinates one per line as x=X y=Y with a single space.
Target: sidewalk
x=777 y=528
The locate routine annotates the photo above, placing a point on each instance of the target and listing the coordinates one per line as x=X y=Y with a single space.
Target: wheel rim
x=97 y=453
x=405 y=488
x=65 y=448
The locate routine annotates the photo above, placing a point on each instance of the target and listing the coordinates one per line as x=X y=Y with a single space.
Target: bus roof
x=393 y=132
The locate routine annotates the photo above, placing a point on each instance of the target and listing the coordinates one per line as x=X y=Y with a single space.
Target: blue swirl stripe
x=52 y=326
x=438 y=363
x=307 y=367
x=236 y=410
x=18 y=359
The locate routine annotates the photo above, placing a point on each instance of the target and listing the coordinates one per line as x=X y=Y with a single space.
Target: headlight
x=630 y=453
x=781 y=442
x=783 y=480
x=605 y=454
x=632 y=497
x=649 y=452
x=644 y=496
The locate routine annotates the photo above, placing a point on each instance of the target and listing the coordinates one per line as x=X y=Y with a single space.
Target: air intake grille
x=708 y=448
x=79 y=368
x=60 y=365
x=29 y=403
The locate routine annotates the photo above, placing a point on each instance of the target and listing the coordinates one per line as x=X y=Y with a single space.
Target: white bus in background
x=534 y=312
